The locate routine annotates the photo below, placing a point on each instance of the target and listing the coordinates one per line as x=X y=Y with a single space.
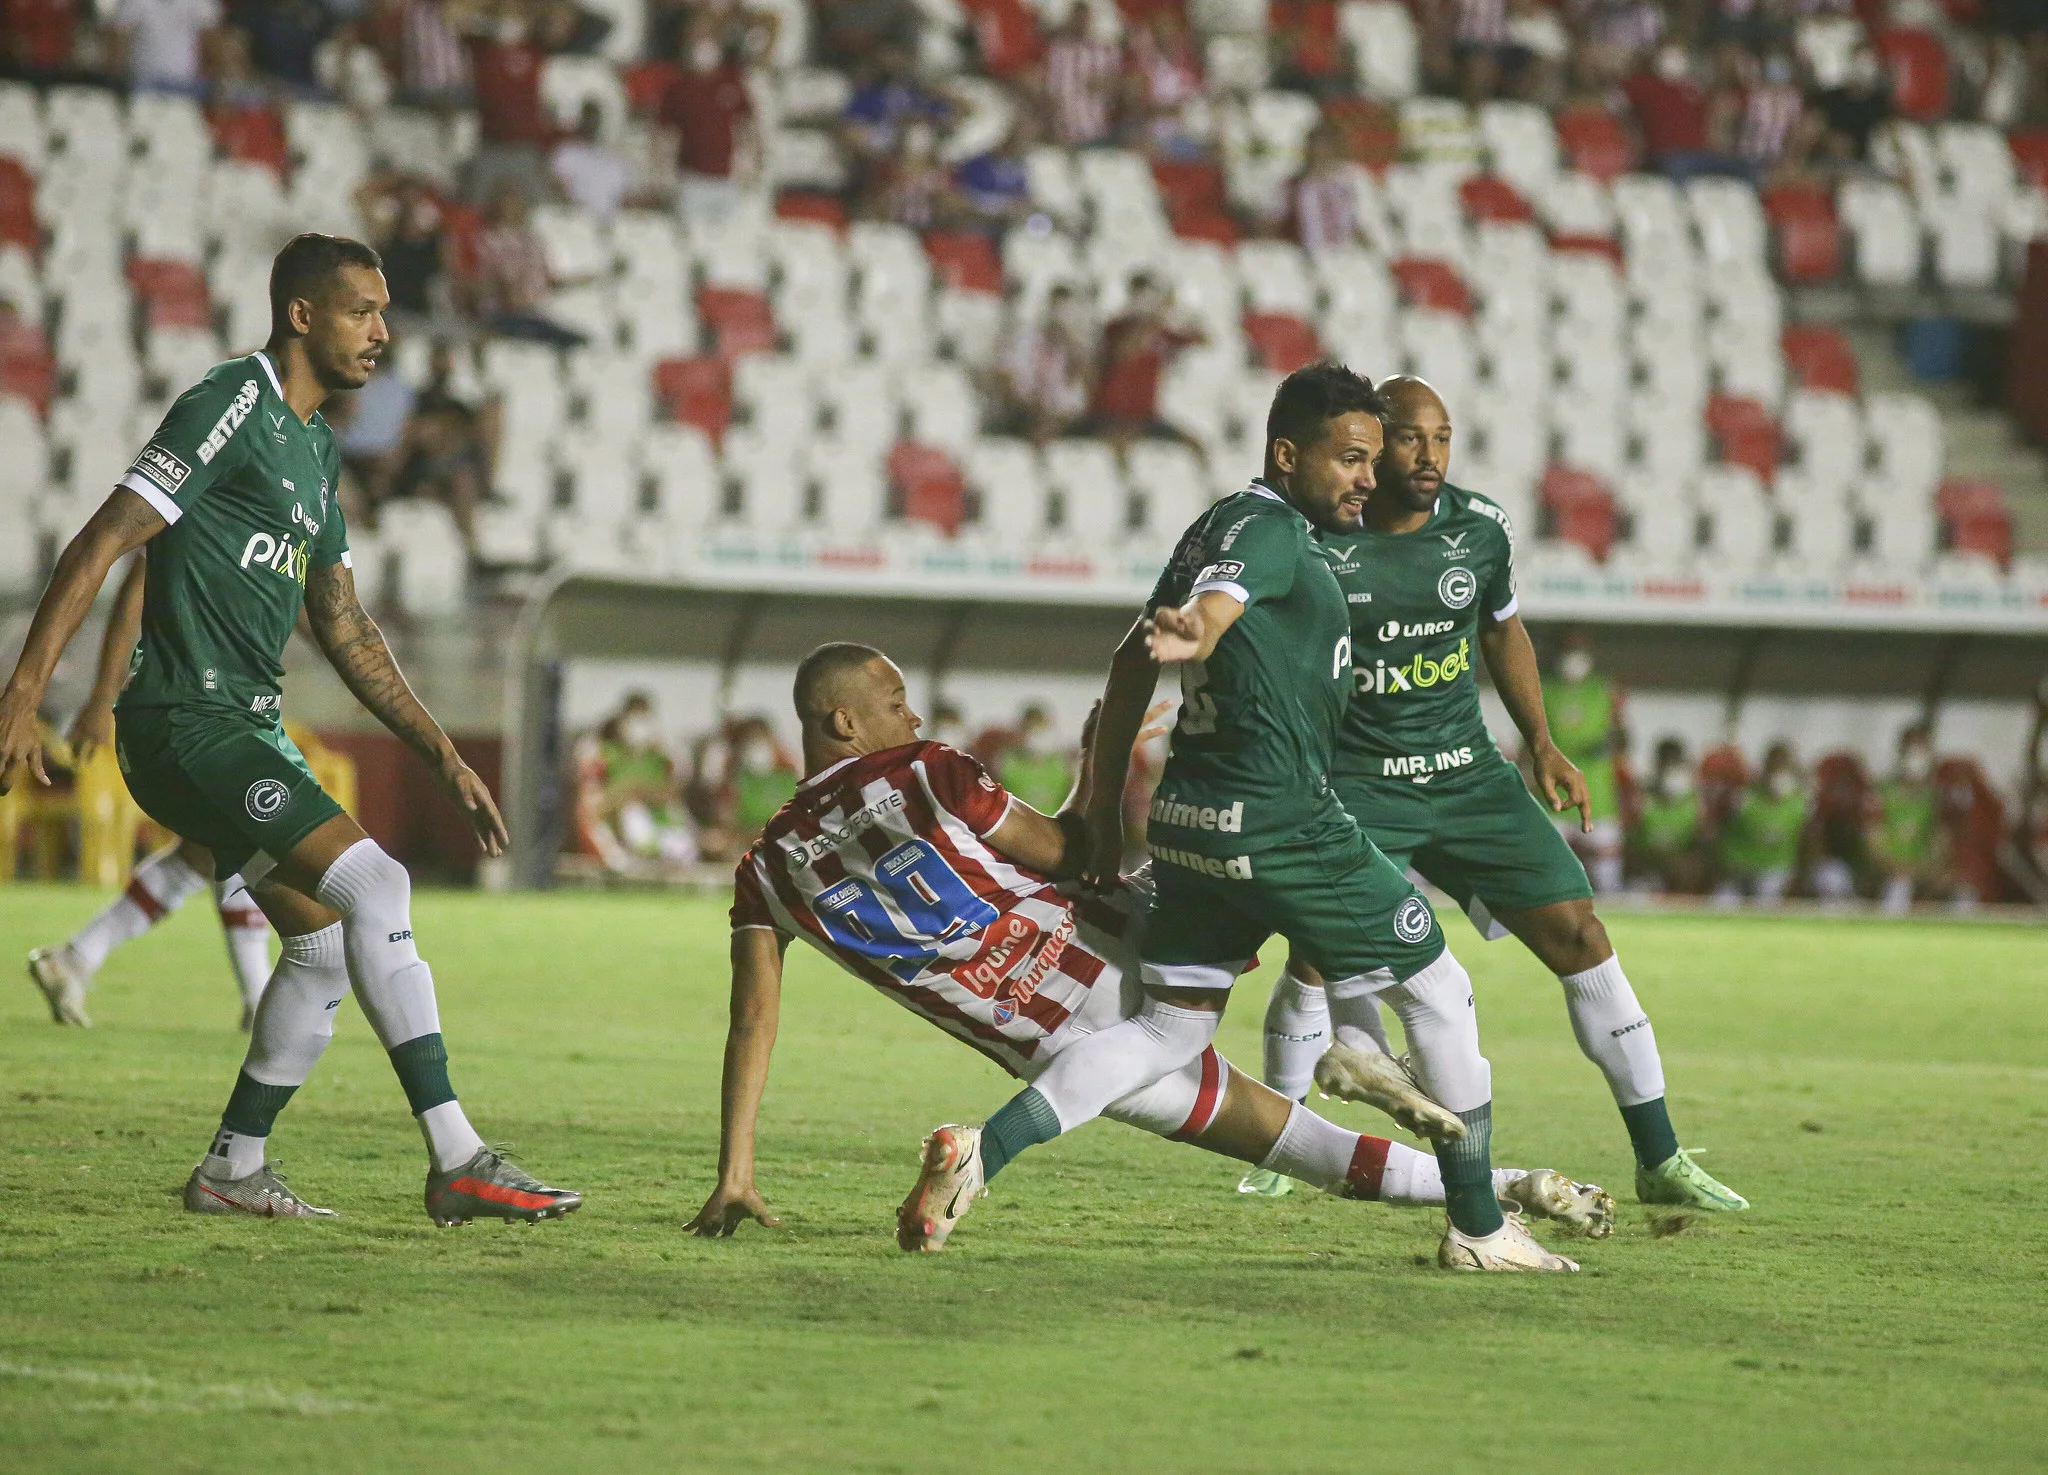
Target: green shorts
x=1479 y=835
x=1326 y=889
x=230 y=781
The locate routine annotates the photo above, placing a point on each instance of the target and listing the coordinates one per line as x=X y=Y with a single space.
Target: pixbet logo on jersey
x=1418 y=673
x=279 y=554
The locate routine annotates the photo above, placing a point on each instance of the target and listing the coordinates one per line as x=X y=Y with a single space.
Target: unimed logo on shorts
x=265 y=798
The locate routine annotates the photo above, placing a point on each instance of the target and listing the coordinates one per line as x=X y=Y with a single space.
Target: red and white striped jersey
x=880 y=862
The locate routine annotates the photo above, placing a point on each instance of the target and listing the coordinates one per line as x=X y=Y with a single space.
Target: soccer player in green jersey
x=1247 y=836
x=1759 y=843
x=1905 y=841
x=1583 y=709
x=234 y=499
x=1428 y=576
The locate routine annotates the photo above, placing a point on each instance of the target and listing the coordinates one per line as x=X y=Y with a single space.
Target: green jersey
x=1906 y=822
x=247 y=489
x=1668 y=825
x=1250 y=758
x=1042 y=780
x=1762 y=835
x=1414 y=601
x=1581 y=717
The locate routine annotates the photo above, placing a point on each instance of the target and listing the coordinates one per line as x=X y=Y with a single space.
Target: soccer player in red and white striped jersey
x=912 y=868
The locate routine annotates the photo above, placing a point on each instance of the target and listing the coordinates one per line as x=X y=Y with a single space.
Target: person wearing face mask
x=628 y=804
x=1039 y=766
x=1584 y=709
x=1905 y=835
x=744 y=779
x=1758 y=853
x=1667 y=843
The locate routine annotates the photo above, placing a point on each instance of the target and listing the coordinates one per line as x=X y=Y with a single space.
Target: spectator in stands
x=712 y=116
x=994 y=188
x=159 y=42
x=39 y=38
x=1759 y=845
x=913 y=187
x=445 y=450
x=886 y=100
x=512 y=279
x=421 y=44
x=507 y=50
x=1164 y=88
x=1686 y=128
x=1668 y=844
x=1038 y=764
x=742 y=775
x=594 y=176
x=1045 y=367
x=1136 y=348
x=629 y=804
x=284 y=37
x=369 y=426
x=1480 y=49
x=1616 y=34
x=853 y=32
x=1905 y=835
x=1539 y=47
x=1771 y=128
x=404 y=223
x=1079 y=80
x=1857 y=107
x=1323 y=200
x=234 y=84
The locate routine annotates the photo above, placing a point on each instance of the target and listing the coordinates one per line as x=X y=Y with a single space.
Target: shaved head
x=828 y=676
x=851 y=700
x=1407 y=393
x=1417 y=456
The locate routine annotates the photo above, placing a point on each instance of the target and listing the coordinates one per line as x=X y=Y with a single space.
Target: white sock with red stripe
x=161 y=884
x=248 y=937
x=1321 y=1153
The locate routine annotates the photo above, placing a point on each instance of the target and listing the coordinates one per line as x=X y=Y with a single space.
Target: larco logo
x=265 y=798
x=1412 y=921
x=1457 y=587
x=1395 y=630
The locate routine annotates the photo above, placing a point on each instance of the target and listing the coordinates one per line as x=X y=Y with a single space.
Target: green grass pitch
x=1879 y=1090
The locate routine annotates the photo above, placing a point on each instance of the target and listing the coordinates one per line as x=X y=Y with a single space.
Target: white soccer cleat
x=947 y=1186
x=57 y=974
x=1509 y=1247
x=1352 y=1074
x=1584 y=1209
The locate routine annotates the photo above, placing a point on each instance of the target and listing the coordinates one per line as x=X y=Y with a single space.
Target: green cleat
x=1266 y=1184
x=1680 y=1180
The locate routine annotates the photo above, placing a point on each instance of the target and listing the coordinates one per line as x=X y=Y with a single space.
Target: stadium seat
x=1193 y=194
x=567 y=82
x=1580 y=509
x=2029 y=154
x=1576 y=205
x=1008 y=491
x=1094 y=508
x=740 y=321
x=861 y=400
x=431 y=565
x=245 y=208
x=1918 y=63
x=1357 y=289
x=172 y=293
x=1589 y=296
x=1745 y=432
x=1439 y=346
x=698 y=392
x=1386 y=49
x=1121 y=194
x=964 y=261
x=1966 y=249
x=1490 y=197
x=1170 y=487
x=1741 y=523
x=1827 y=431
x=774 y=391
x=1820 y=357
x=1033 y=261
x=1432 y=284
x=1809 y=235
x=943 y=408
x=1906 y=438
x=253 y=135
x=179 y=356
x=1729 y=220
x=1053 y=185
x=1282 y=342
x=1662 y=523
x=1441 y=131
x=1822 y=525
x=21 y=126
x=1276 y=277
x=1006 y=34
x=1521 y=143
x=1595 y=142
x=682 y=466
x=1975 y=519
x=1207 y=287
x=765 y=468
x=928 y=484
x=18 y=206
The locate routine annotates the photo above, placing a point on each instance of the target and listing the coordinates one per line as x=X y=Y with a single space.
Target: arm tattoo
x=355 y=647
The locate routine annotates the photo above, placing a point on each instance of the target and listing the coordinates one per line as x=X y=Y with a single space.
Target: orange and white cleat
x=947 y=1186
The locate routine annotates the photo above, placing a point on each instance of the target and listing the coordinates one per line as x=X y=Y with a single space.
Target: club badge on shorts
x=1412 y=921
x=265 y=798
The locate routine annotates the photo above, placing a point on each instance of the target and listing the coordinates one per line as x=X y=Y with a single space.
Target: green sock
x=1649 y=1128
x=1467 y=1166
x=253 y=1106
x=1025 y=1120
x=422 y=1066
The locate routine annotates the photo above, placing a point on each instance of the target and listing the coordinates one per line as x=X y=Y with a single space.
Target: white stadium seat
x=1276 y=278
x=776 y=393
x=1907 y=442
x=1009 y=487
x=1827 y=429
x=1170 y=487
x=1093 y=503
x=1576 y=204
x=1522 y=144
x=944 y=410
x=1742 y=524
x=1966 y=249
x=1662 y=523
x=1823 y=525
x=1386 y=49
x=1884 y=229
x=680 y=463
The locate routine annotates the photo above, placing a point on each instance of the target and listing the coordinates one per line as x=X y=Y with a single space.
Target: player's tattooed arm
x=123 y=523
x=1511 y=661
x=355 y=647
x=93 y=727
x=749 y=1041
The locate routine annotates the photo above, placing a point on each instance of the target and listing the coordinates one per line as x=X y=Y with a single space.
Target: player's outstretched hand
x=726 y=1210
x=21 y=744
x=473 y=797
x=91 y=730
x=1559 y=781
x=1154 y=725
x=1174 y=633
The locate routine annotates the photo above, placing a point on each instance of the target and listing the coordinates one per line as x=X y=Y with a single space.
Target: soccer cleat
x=1680 y=1180
x=1266 y=1183
x=1509 y=1247
x=263 y=1193
x=947 y=1186
x=1351 y=1074
x=491 y=1186
x=62 y=984
x=1579 y=1208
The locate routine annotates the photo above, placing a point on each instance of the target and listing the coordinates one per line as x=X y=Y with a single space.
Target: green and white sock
x=1467 y=1165
x=1026 y=1120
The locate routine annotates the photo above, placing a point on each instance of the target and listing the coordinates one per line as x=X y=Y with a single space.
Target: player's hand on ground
x=21 y=744
x=727 y=1209
x=91 y=730
x=473 y=797
x=1562 y=786
x=1174 y=634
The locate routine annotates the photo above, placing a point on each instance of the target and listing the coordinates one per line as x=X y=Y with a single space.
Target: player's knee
x=366 y=879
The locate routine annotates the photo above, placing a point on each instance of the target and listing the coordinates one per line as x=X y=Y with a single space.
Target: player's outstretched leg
x=466 y=1180
x=247 y=932
x=159 y=886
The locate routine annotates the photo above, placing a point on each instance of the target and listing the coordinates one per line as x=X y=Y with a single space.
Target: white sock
x=232 y=1155
x=1614 y=1032
x=451 y=1140
x=1412 y=1178
x=247 y=932
x=295 y=1019
x=1297 y=1033
x=1436 y=1012
x=1112 y=1063
x=395 y=987
x=160 y=885
x=1358 y=1022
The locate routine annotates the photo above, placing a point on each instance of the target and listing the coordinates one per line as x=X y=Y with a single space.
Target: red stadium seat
x=1821 y=357
x=965 y=260
x=1976 y=518
x=811 y=205
x=28 y=370
x=255 y=135
x=1597 y=245
x=173 y=293
x=1723 y=775
x=1305 y=35
x=1580 y=508
x=2030 y=153
x=1208 y=225
x=930 y=485
x=1596 y=143
x=1428 y=282
x=1746 y=432
x=1919 y=68
x=1007 y=35
x=1189 y=188
x=697 y=392
x=740 y=321
x=1283 y=343
x=1488 y=197
x=462 y=230
x=1974 y=818
x=1370 y=131
x=18 y=205
x=1809 y=235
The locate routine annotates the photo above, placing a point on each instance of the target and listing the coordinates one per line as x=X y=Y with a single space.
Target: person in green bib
x=1427 y=576
x=1668 y=841
x=1038 y=766
x=1757 y=851
x=1905 y=844
x=1584 y=711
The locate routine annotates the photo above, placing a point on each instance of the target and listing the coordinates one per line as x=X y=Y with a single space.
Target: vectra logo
x=1395 y=630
